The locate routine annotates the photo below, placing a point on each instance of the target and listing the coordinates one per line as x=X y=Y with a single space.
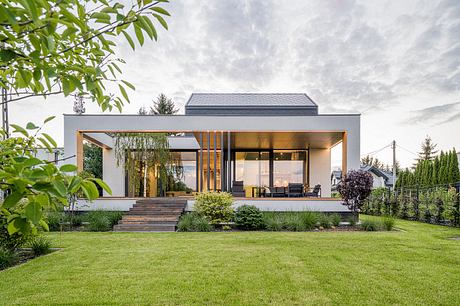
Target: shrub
x=292 y=222
x=7 y=258
x=249 y=217
x=370 y=225
x=325 y=220
x=14 y=241
x=354 y=188
x=272 y=222
x=289 y=221
x=40 y=245
x=309 y=220
x=388 y=223
x=352 y=221
x=193 y=222
x=102 y=221
x=216 y=206
x=54 y=219
x=335 y=219
x=74 y=219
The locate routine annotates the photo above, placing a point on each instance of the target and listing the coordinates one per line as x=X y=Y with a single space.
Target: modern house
x=258 y=144
x=381 y=178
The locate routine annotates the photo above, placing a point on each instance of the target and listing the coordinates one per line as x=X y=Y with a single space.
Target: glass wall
x=186 y=181
x=253 y=168
x=289 y=167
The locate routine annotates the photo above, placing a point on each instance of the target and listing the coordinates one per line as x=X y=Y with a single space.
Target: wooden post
x=215 y=161
x=344 y=153
x=201 y=162
x=222 y=185
x=208 y=172
x=79 y=151
x=229 y=158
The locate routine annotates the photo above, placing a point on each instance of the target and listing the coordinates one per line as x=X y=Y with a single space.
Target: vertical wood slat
x=215 y=160
x=79 y=151
x=229 y=172
x=208 y=172
x=201 y=162
x=222 y=185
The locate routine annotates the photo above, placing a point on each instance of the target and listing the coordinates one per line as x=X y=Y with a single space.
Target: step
x=174 y=217
x=159 y=206
x=144 y=228
x=166 y=223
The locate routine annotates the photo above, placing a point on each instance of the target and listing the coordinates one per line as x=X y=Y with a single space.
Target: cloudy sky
x=395 y=62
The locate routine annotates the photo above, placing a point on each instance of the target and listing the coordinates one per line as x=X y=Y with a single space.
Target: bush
x=249 y=217
x=325 y=221
x=40 y=245
x=370 y=225
x=7 y=258
x=309 y=220
x=75 y=220
x=216 y=206
x=14 y=241
x=54 y=219
x=103 y=221
x=335 y=219
x=289 y=221
x=388 y=223
x=352 y=221
x=272 y=222
x=354 y=188
x=193 y=222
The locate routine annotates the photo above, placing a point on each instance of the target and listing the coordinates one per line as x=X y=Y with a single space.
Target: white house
x=258 y=146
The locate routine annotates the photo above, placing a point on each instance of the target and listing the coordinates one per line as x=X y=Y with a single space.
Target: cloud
x=438 y=114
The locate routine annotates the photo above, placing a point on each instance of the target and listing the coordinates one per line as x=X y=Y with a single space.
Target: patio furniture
x=315 y=193
x=277 y=192
x=238 y=189
x=295 y=190
x=258 y=191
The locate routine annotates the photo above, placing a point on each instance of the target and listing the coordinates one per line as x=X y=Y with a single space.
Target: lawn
x=417 y=265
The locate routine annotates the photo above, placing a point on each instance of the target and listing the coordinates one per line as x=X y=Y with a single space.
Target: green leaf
x=50 y=139
x=123 y=92
x=60 y=188
x=129 y=84
x=100 y=16
x=161 y=20
x=12 y=200
x=49 y=119
x=74 y=184
x=129 y=39
x=44 y=225
x=7 y=55
x=139 y=35
x=66 y=87
x=68 y=168
x=90 y=190
x=12 y=227
x=33 y=212
x=18 y=129
x=46 y=144
x=31 y=126
x=160 y=10
x=103 y=185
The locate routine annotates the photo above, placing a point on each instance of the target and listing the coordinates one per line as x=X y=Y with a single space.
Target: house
x=336 y=177
x=382 y=178
x=256 y=142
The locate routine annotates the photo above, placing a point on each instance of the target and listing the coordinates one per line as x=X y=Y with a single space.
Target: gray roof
x=387 y=176
x=243 y=103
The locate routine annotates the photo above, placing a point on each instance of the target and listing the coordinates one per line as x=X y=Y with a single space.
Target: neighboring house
x=263 y=141
x=336 y=177
x=381 y=177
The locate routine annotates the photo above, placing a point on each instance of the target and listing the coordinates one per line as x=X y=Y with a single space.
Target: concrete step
x=163 y=222
x=144 y=228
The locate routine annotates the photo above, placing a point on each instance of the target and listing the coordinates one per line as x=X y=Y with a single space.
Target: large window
x=289 y=167
x=253 y=168
x=186 y=181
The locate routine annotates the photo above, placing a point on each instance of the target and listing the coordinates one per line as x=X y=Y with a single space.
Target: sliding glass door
x=253 y=168
x=289 y=166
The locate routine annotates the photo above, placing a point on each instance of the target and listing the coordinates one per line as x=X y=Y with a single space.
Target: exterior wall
x=379 y=182
x=320 y=170
x=321 y=205
x=112 y=174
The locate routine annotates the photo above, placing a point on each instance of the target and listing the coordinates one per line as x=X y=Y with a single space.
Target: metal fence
x=432 y=204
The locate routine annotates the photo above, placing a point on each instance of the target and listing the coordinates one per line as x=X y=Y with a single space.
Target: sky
x=395 y=62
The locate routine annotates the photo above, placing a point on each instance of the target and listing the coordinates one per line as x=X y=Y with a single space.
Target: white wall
x=112 y=174
x=320 y=170
x=379 y=182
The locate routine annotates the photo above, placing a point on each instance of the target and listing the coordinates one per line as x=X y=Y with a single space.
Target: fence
x=435 y=204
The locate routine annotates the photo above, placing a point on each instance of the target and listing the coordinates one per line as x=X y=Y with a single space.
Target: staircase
x=152 y=215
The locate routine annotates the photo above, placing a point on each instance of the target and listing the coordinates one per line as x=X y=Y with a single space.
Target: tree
x=51 y=46
x=33 y=185
x=162 y=106
x=371 y=161
x=455 y=167
x=428 y=150
x=142 y=111
x=354 y=188
x=92 y=159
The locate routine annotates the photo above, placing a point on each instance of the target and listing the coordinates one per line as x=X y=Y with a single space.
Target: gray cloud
x=438 y=114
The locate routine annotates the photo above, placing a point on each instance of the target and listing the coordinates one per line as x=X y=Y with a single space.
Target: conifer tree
x=434 y=174
x=455 y=168
x=428 y=150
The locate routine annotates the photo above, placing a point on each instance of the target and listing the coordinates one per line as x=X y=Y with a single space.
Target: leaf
x=123 y=92
x=44 y=225
x=138 y=32
x=46 y=144
x=74 y=184
x=33 y=212
x=18 y=129
x=50 y=139
x=129 y=84
x=161 y=20
x=7 y=55
x=31 y=126
x=49 y=119
x=68 y=168
x=129 y=39
x=160 y=10
x=103 y=185
x=60 y=188
x=12 y=200
x=90 y=190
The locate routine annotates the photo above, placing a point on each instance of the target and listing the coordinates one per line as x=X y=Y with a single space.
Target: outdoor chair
x=238 y=189
x=315 y=193
x=295 y=190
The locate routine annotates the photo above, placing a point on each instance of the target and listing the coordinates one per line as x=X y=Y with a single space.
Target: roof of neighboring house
x=337 y=174
x=252 y=104
x=387 y=176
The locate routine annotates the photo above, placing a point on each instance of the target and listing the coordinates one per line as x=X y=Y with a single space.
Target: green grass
x=415 y=266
